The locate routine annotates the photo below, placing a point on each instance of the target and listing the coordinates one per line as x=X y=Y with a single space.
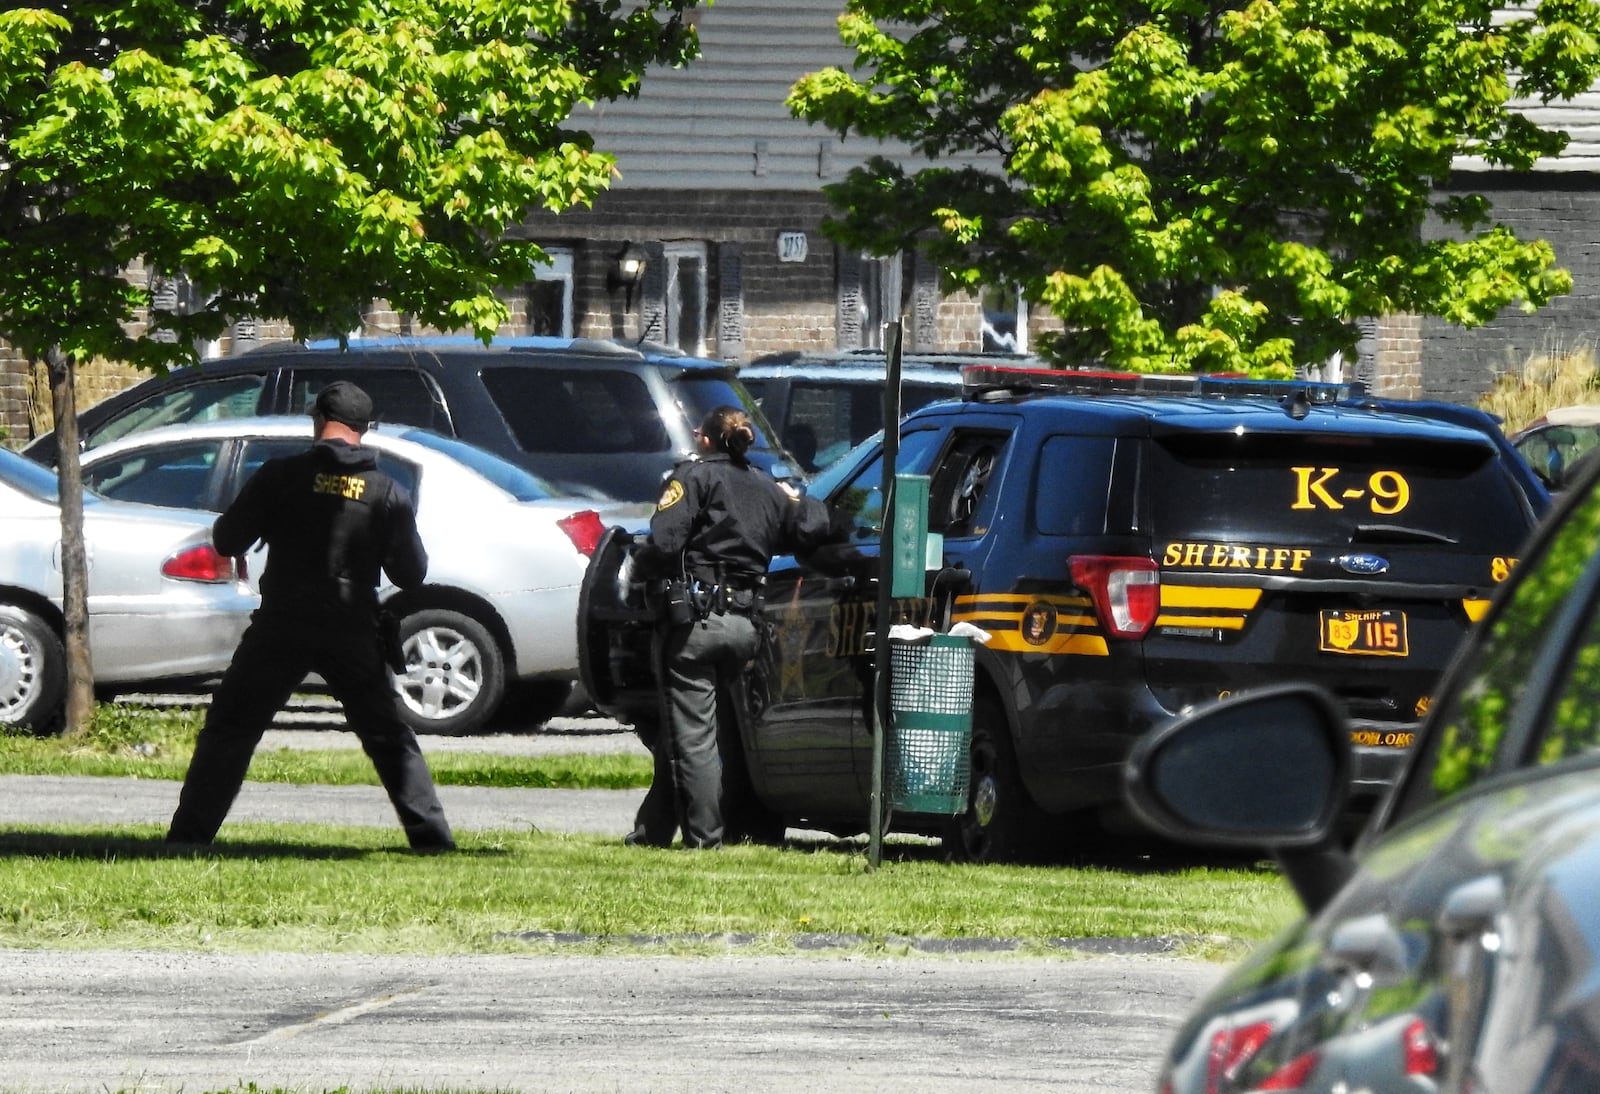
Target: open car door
x=614 y=629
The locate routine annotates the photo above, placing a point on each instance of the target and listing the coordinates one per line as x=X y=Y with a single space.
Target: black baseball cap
x=345 y=403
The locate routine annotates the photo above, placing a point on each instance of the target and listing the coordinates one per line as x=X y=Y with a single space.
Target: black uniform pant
x=687 y=787
x=276 y=653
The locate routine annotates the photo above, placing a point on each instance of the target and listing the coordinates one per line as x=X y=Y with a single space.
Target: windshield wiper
x=1398 y=533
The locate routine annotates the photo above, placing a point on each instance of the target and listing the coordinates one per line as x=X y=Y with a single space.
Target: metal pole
x=882 y=715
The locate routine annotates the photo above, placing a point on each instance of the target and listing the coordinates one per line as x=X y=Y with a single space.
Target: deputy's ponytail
x=730 y=430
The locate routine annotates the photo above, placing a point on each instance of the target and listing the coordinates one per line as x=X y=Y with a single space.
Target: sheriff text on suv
x=1134 y=546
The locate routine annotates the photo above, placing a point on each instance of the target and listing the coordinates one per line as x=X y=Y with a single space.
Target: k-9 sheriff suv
x=1133 y=546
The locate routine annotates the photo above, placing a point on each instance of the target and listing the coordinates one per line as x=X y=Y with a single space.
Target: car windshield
x=520 y=483
x=701 y=393
x=1553 y=450
x=35 y=480
x=860 y=494
x=829 y=478
x=208 y=399
x=1492 y=684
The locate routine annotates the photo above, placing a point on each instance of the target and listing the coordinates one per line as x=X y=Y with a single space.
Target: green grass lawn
x=314 y=888
x=157 y=745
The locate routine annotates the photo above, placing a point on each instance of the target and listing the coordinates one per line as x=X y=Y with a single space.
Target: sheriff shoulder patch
x=671 y=496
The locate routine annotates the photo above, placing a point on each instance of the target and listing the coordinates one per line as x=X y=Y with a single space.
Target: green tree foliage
x=1471 y=730
x=1224 y=184
x=293 y=160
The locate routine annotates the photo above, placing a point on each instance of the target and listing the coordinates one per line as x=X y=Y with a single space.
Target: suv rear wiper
x=1398 y=533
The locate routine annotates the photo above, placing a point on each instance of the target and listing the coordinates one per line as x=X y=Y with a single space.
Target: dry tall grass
x=1547 y=380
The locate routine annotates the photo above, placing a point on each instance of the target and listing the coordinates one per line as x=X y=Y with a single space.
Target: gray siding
x=721 y=122
x=1579 y=119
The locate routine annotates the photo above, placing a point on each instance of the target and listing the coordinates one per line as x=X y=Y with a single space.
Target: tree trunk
x=74 y=559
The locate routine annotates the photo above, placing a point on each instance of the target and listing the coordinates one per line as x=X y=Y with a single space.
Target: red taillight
x=584 y=529
x=1420 y=1050
x=200 y=563
x=1126 y=591
x=1292 y=1075
x=1231 y=1050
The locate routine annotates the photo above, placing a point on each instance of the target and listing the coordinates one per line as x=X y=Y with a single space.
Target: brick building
x=1562 y=207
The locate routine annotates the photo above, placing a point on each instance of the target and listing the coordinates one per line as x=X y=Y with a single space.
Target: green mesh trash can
x=930 y=742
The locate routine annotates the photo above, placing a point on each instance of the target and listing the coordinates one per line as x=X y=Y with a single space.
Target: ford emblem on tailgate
x=1363 y=564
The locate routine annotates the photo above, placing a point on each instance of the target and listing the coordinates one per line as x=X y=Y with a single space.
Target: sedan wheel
x=33 y=670
x=455 y=674
x=1001 y=823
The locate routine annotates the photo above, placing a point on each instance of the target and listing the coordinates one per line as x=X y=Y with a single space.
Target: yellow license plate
x=1375 y=633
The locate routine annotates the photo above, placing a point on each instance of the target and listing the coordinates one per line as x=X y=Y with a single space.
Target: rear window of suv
x=589 y=410
x=400 y=396
x=825 y=418
x=1330 y=490
x=593 y=410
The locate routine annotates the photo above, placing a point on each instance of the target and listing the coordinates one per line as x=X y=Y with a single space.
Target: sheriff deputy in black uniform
x=717 y=526
x=331 y=520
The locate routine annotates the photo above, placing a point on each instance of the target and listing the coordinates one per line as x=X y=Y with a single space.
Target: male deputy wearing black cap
x=331 y=521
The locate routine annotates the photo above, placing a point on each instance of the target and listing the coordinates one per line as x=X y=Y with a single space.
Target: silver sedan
x=497 y=618
x=163 y=605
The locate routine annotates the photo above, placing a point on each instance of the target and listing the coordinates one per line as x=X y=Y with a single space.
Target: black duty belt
x=740 y=601
x=744 y=582
x=327 y=594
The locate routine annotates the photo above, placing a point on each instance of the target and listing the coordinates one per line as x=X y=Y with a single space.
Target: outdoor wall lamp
x=627 y=267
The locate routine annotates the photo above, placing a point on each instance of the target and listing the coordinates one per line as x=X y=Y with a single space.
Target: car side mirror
x=1267 y=768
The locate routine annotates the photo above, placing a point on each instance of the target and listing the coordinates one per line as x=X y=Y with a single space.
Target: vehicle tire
x=33 y=671
x=748 y=821
x=1001 y=823
x=528 y=705
x=744 y=818
x=455 y=674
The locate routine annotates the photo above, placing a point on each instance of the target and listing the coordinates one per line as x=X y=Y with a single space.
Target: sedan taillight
x=200 y=563
x=1420 y=1049
x=1126 y=590
x=1231 y=1050
x=584 y=529
x=1292 y=1075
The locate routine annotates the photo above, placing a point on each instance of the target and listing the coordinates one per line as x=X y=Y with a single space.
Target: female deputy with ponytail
x=718 y=524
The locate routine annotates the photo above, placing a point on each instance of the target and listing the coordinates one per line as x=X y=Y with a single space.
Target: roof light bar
x=979 y=381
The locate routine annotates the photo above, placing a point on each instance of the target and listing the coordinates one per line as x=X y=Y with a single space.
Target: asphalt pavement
x=194 y=1020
